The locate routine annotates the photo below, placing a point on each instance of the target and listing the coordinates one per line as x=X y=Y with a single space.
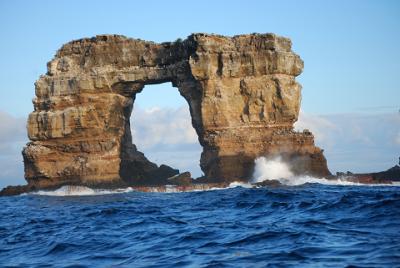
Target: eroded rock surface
x=241 y=90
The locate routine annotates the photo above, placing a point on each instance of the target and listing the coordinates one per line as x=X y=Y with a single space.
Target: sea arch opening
x=161 y=127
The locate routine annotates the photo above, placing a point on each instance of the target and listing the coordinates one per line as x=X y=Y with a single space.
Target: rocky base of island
x=184 y=182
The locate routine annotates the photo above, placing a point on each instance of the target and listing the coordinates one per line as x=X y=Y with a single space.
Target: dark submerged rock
x=184 y=178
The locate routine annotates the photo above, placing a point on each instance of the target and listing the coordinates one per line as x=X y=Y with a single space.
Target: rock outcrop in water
x=241 y=90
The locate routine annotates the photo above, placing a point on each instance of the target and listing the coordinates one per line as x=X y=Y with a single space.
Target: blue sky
x=350 y=49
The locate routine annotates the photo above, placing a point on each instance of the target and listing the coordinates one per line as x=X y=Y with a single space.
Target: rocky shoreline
x=183 y=182
x=382 y=177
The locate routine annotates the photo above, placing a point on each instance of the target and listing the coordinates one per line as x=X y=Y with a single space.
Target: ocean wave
x=292 y=181
x=301 y=180
x=70 y=190
x=277 y=169
x=240 y=184
x=267 y=226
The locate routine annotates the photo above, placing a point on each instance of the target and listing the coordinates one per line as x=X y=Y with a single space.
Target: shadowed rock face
x=241 y=91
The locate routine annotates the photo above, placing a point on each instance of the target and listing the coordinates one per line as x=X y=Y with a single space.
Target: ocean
x=306 y=225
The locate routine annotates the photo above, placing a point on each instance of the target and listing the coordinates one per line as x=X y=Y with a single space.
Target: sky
x=351 y=85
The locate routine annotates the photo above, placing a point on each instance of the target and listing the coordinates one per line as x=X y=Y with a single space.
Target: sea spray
x=265 y=169
x=72 y=190
x=277 y=169
x=270 y=169
x=341 y=181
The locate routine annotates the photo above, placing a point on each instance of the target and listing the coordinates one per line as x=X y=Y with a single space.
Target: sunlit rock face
x=241 y=90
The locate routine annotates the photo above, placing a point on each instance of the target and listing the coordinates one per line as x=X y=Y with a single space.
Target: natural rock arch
x=241 y=91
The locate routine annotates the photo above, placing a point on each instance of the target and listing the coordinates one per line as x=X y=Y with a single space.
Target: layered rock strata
x=241 y=91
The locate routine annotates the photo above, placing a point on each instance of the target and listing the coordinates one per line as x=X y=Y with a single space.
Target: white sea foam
x=240 y=184
x=300 y=180
x=270 y=169
x=276 y=169
x=70 y=190
x=265 y=169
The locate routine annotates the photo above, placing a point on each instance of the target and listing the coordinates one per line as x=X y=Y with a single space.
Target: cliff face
x=241 y=91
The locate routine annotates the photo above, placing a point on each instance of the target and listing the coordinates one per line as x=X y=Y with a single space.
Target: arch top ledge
x=241 y=90
x=117 y=52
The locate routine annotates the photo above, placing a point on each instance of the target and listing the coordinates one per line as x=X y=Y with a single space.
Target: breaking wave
x=70 y=190
x=270 y=169
x=311 y=225
x=265 y=169
x=277 y=169
x=300 y=180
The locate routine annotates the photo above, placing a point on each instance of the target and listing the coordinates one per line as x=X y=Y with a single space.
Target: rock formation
x=241 y=90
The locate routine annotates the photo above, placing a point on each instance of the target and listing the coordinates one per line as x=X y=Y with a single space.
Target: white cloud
x=12 y=128
x=156 y=126
x=356 y=142
x=395 y=120
x=321 y=127
x=166 y=136
x=397 y=139
x=12 y=138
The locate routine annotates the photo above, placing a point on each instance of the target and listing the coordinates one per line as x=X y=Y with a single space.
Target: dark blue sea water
x=311 y=225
